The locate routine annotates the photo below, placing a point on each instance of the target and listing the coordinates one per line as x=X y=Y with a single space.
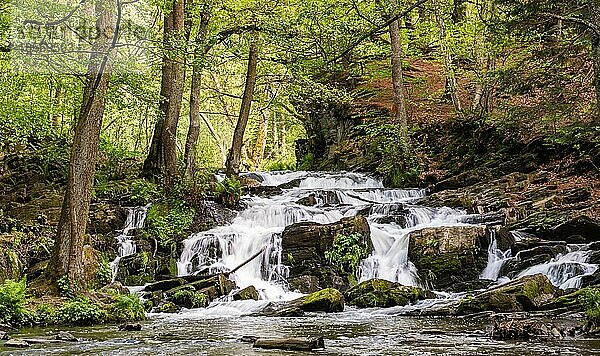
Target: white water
x=136 y=219
x=338 y=195
x=496 y=259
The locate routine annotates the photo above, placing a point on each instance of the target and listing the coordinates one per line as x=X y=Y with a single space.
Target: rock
x=585 y=226
x=254 y=176
x=114 y=287
x=291 y=184
x=384 y=294
x=310 y=200
x=165 y=285
x=297 y=344
x=304 y=248
x=594 y=246
x=16 y=343
x=265 y=191
x=327 y=300
x=130 y=327
x=65 y=336
x=37 y=269
x=4 y=335
x=524 y=294
x=247 y=293
x=211 y=288
x=547 y=250
x=525 y=330
x=187 y=297
x=210 y=214
x=168 y=307
x=137 y=269
x=553 y=247
x=513 y=267
x=445 y=256
x=249 y=182
x=248 y=338
x=106 y=218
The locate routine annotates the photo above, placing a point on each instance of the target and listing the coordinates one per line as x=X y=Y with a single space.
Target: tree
x=201 y=49
x=235 y=152
x=162 y=156
x=67 y=255
x=400 y=115
x=451 y=84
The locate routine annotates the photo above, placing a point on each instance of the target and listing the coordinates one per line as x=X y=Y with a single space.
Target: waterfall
x=136 y=219
x=496 y=259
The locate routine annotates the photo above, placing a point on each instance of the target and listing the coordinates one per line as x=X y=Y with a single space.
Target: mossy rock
x=168 y=307
x=384 y=294
x=525 y=294
x=248 y=293
x=326 y=300
x=188 y=297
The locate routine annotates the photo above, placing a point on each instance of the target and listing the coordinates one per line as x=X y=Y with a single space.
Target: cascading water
x=337 y=195
x=496 y=259
x=136 y=219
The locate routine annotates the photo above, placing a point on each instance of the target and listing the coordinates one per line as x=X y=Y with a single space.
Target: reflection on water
x=354 y=332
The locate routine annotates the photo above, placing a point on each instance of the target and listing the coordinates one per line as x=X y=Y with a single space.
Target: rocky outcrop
x=445 y=256
x=328 y=300
x=305 y=247
x=525 y=294
x=384 y=294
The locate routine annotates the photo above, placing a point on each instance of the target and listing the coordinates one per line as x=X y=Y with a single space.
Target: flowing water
x=136 y=219
x=392 y=214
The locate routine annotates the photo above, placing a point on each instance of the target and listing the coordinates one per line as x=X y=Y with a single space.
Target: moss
x=382 y=293
x=188 y=297
x=168 y=307
x=329 y=299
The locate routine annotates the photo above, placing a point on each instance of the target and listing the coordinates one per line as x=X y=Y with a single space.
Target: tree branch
x=578 y=20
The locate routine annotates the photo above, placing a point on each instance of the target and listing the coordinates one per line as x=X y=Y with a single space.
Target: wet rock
x=532 y=242
x=189 y=294
x=106 y=218
x=310 y=200
x=304 y=248
x=291 y=184
x=254 y=176
x=168 y=307
x=187 y=297
x=594 y=246
x=210 y=214
x=296 y=344
x=249 y=182
x=165 y=285
x=130 y=327
x=514 y=266
x=445 y=256
x=546 y=250
x=65 y=336
x=585 y=226
x=264 y=191
x=384 y=294
x=491 y=218
x=524 y=294
x=137 y=269
x=525 y=330
x=327 y=300
x=16 y=343
x=248 y=293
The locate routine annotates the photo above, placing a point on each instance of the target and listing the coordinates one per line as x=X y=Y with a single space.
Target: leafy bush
x=229 y=191
x=45 y=315
x=591 y=300
x=81 y=312
x=104 y=273
x=280 y=165
x=168 y=221
x=126 y=307
x=142 y=192
x=188 y=297
x=347 y=252
x=12 y=302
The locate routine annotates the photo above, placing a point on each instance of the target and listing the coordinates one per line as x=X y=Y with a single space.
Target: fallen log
x=297 y=344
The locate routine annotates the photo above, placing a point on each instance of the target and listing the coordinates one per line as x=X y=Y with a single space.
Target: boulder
x=296 y=344
x=65 y=336
x=291 y=184
x=524 y=294
x=445 y=256
x=106 y=218
x=16 y=343
x=168 y=307
x=528 y=329
x=165 y=285
x=305 y=247
x=327 y=300
x=114 y=287
x=248 y=293
x=137 y=269
x=265 y=191
x=130 y=327
x=384 y=294
x=588 y=228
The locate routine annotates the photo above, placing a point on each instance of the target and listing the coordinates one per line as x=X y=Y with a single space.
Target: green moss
x=329 y=299
x=168 y=307
x=188 y=297
x=347 y=252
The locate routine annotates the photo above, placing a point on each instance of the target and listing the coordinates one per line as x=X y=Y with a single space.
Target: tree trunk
x=67 y=255
x=594 y=10
x=258 y=152
x=233 y=159
x=194 y=129
x=459 y=11
x=451 y=85
x=400 y=115
x=162 y=156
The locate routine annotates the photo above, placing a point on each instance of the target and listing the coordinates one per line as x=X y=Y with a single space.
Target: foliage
x=125 y=307
x=104 y=273
x=12 y=302
x=142 y=192
x=591 y=300
x=398 y=163
x=66 y=287
x=169 y=220
x=280 y=165
x=45 y=314
x=190 y=298
x=229 y=191
x=347 y=252
x=81 y=312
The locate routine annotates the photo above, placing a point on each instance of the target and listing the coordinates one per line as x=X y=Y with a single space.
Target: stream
x=217 y=329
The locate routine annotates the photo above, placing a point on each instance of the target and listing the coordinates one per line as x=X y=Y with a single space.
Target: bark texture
x=235 y=153
x=400 y=115
x=67 y=256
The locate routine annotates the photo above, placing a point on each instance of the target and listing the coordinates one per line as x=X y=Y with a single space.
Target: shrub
x=229 y=191
x=347 y=252
x=12 y=302
x=169 y=221
x=81 y=312
x=591 y=300
x=45 y=315
x=188 y=297
x=126 y=307
x=142 y=192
